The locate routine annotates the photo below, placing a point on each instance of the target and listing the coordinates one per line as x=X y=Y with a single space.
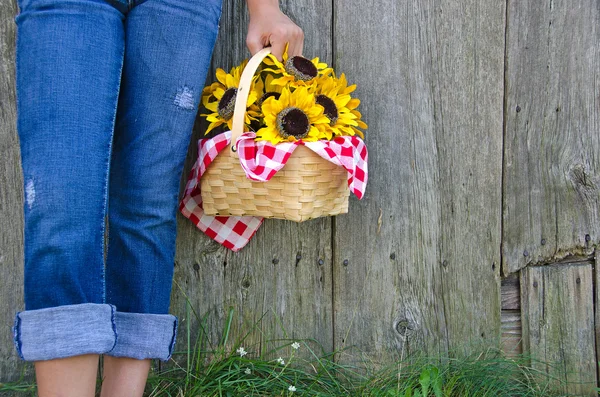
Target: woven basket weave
x=307 y=187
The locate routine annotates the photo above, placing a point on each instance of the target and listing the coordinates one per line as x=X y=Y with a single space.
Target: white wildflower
x=247 y=371
x=280 y=361
x=292 y=388
x=296 y=345
x=241 y=351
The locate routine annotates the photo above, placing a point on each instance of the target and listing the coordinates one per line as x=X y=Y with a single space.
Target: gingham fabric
x=261 y=160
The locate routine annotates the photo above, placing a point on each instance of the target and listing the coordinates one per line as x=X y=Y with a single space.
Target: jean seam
x=113 y=311
x=174 y=339
x=105 y=204
x=17 y=335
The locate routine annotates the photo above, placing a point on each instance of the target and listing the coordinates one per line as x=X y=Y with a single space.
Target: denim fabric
x=73 y=329
x=107 y=93
x=144 y=336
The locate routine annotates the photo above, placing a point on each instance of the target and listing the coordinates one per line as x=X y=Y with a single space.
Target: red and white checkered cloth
x=261 y=160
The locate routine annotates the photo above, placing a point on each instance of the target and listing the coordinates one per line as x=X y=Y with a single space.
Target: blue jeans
x=107 y=94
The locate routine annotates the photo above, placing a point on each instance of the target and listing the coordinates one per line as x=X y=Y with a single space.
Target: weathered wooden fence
x=484 y=147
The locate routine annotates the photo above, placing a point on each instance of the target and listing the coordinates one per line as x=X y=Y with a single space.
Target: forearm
x=256 y=5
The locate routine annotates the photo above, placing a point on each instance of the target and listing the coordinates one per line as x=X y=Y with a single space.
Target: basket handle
x=239 y=111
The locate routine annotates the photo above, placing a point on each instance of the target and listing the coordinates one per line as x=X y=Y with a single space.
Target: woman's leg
x=69 y=59
x=169 y=44
x=72 y=376
x=124 y=377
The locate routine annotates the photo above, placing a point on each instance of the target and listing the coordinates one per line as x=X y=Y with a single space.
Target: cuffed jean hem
x=65 y=331
x=145 y=336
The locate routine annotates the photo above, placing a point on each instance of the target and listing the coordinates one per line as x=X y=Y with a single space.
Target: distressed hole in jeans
x=185 y=99
x=30 y=193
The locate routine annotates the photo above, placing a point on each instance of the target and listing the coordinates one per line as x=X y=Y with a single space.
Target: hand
x=270 y=27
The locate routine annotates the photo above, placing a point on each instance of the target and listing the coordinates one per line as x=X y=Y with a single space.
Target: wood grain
x=596 y=308
x=415 y=265
x=551 y=165
x=430 y=78
x=558 y=324
x=511 y=295
x=11 y=200
x=279 y=286
x=511 y=333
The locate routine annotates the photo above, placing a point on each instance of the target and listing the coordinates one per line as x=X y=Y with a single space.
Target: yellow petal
x=230 y=81
x=321 y=120
x=284 y=98
x=221 y=76
x=214 y=106
x=214 y=117
x=350 y=89
x=219 y=93
x=342 y=100
x=213 y=126
x=353 y=103
x=359 y=133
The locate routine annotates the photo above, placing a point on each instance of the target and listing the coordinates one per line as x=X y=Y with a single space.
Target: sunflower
x=264 y=88
x=219 y=98
x=352 y=105
x=295 y=115
x=341 y=119
x=224 y=81
x=295 y=71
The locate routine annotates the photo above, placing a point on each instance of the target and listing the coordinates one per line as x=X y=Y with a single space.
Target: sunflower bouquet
x=297 y=99
x=295 y=144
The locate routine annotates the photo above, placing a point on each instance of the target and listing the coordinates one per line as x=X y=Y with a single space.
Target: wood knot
x=404 y=327
x=581 y=178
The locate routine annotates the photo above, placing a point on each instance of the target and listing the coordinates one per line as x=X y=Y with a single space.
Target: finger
x=296 y=43
x=254 y=44
x=300 y=48
x=277 y=48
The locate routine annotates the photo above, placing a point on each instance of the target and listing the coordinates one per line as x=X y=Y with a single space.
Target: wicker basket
x=307 y=187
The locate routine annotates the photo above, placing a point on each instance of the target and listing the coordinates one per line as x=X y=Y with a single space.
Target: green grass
x=491 y=375
x=308 y=370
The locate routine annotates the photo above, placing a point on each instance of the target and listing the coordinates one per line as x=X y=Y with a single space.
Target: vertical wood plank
x=422 y=248
x=551 y=167
x=558 y=324
x=597 y=309
x=511 y=333
x=11 y=200
x=511 y=316
x=510 y=292
x=280 y=284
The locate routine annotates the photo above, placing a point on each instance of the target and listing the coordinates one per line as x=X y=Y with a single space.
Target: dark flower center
x=267 y=95
x=293 y=122
x=301 y=68
x=227 y=103
x=331 y=110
